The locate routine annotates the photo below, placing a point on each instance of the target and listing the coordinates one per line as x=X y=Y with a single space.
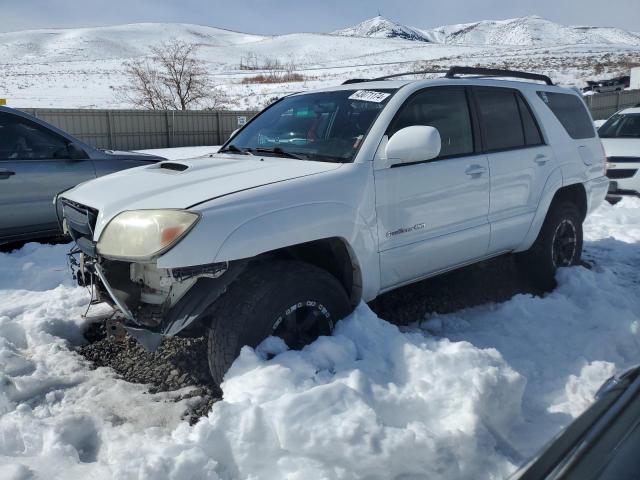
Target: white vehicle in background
x=620 y=136
x=332 y=197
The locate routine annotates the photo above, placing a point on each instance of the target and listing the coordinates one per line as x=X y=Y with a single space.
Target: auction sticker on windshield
x=369 y=96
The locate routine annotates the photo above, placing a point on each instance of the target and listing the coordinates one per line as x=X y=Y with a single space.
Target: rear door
x=35 y=165
x=519 y=160
x=432 y=215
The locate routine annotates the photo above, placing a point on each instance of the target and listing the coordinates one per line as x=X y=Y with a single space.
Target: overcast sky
x=286 y=16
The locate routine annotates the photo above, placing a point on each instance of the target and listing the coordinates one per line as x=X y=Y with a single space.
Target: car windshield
x=621 y=126
x=322 y=126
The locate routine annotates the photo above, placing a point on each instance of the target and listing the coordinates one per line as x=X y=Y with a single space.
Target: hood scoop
x=172 y=166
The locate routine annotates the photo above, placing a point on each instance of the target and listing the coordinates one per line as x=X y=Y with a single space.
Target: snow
x=380 y=27
x=463 y=395
x=533 y=30
x=83 y=67
x=530 y=30
x=181 y=153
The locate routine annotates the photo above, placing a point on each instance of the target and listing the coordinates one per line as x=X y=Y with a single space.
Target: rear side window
x=445 y=109
x=571 y=112
x=500 y=119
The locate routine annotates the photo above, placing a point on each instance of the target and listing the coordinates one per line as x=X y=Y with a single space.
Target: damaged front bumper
x=154 y=303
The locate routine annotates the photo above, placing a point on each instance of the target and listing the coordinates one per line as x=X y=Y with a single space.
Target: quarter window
x=445 y=109
x=532 y=134
x=571 y=112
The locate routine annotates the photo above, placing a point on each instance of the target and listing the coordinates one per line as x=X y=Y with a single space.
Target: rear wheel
x=559 y=244
x=292 y=300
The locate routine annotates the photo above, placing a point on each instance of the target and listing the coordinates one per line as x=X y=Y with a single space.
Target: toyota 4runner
x=332 y=197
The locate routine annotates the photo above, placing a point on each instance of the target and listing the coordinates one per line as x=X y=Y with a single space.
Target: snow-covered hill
x=532 y=30
x=100 y=43
x=83 y=67
x=380 y=27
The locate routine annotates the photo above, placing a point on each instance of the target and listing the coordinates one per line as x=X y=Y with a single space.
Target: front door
x=35 y=165
x=432 y=215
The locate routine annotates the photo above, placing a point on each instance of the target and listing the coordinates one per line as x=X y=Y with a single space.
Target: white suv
x=620 y=136
x=332 y=197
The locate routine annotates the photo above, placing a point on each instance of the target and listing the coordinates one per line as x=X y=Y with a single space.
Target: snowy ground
x=458 y=396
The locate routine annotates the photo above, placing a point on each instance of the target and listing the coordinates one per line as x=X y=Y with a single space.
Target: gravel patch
x=182 y=362
x=178 y=363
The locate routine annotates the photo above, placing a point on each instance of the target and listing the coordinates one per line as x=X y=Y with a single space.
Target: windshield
x=323 y=126
x=621 y=126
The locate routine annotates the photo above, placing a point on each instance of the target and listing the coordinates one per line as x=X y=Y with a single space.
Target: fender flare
x=307 y=223
x=553 y=184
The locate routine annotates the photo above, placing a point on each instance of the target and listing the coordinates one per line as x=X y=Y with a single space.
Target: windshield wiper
x=282 y=153
x=232 y=148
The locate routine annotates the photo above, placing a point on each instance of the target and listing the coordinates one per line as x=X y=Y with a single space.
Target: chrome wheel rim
x=563 y=246
x=302 y=323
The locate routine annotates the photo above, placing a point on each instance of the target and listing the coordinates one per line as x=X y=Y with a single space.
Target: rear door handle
x=541 y=159
x=475 y=170
x=4 y=174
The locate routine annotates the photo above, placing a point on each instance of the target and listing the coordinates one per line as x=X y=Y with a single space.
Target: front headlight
x=144 y=234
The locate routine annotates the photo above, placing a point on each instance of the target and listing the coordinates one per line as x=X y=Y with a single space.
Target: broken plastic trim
x=123 y=308
x=148 y=339
x=191 y=307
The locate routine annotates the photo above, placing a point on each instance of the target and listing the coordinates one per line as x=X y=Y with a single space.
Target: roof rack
x=417 y=72
x=495 y=72
x=453 y=71
x=356 y=80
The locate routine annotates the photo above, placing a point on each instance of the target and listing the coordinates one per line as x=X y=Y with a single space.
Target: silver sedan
x=38 y=161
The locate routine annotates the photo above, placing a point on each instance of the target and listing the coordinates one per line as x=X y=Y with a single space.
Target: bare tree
x=170 y=78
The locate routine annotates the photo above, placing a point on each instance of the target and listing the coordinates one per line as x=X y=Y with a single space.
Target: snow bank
x=455 y=396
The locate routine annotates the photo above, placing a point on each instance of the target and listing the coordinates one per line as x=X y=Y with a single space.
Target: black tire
x=559 y=244
x=257 y=303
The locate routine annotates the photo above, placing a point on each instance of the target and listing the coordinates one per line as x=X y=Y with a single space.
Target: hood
x=124 y=155
x=621 y=147
x=184 y=183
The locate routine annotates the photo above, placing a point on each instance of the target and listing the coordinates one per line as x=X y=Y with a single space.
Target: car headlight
x=144 y=234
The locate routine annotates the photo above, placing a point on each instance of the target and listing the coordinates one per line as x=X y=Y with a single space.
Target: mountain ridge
x=529 y=30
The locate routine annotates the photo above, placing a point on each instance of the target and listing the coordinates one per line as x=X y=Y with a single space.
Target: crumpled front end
x=152 y=302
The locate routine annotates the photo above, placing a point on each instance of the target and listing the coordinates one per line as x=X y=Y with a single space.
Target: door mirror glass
x=417 y=143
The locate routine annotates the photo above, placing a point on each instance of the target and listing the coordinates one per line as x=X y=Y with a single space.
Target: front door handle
x=4 y=174
x=541 y=159
x=475 y=170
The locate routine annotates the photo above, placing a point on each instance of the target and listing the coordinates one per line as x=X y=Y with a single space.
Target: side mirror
x=75 y=152
x=413 y=144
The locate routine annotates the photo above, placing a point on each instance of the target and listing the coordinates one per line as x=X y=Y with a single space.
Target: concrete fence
x=140 y=129
x=603 y=105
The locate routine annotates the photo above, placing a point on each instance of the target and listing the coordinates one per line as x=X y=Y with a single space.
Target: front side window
x=21 y=139
x=445 y=109
x=322 y=126
x=571 y=112
x=500 y=119
x=621 y=126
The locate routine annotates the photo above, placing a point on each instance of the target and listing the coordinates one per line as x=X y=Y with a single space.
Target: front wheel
x=559 y=244
x=293 y=300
